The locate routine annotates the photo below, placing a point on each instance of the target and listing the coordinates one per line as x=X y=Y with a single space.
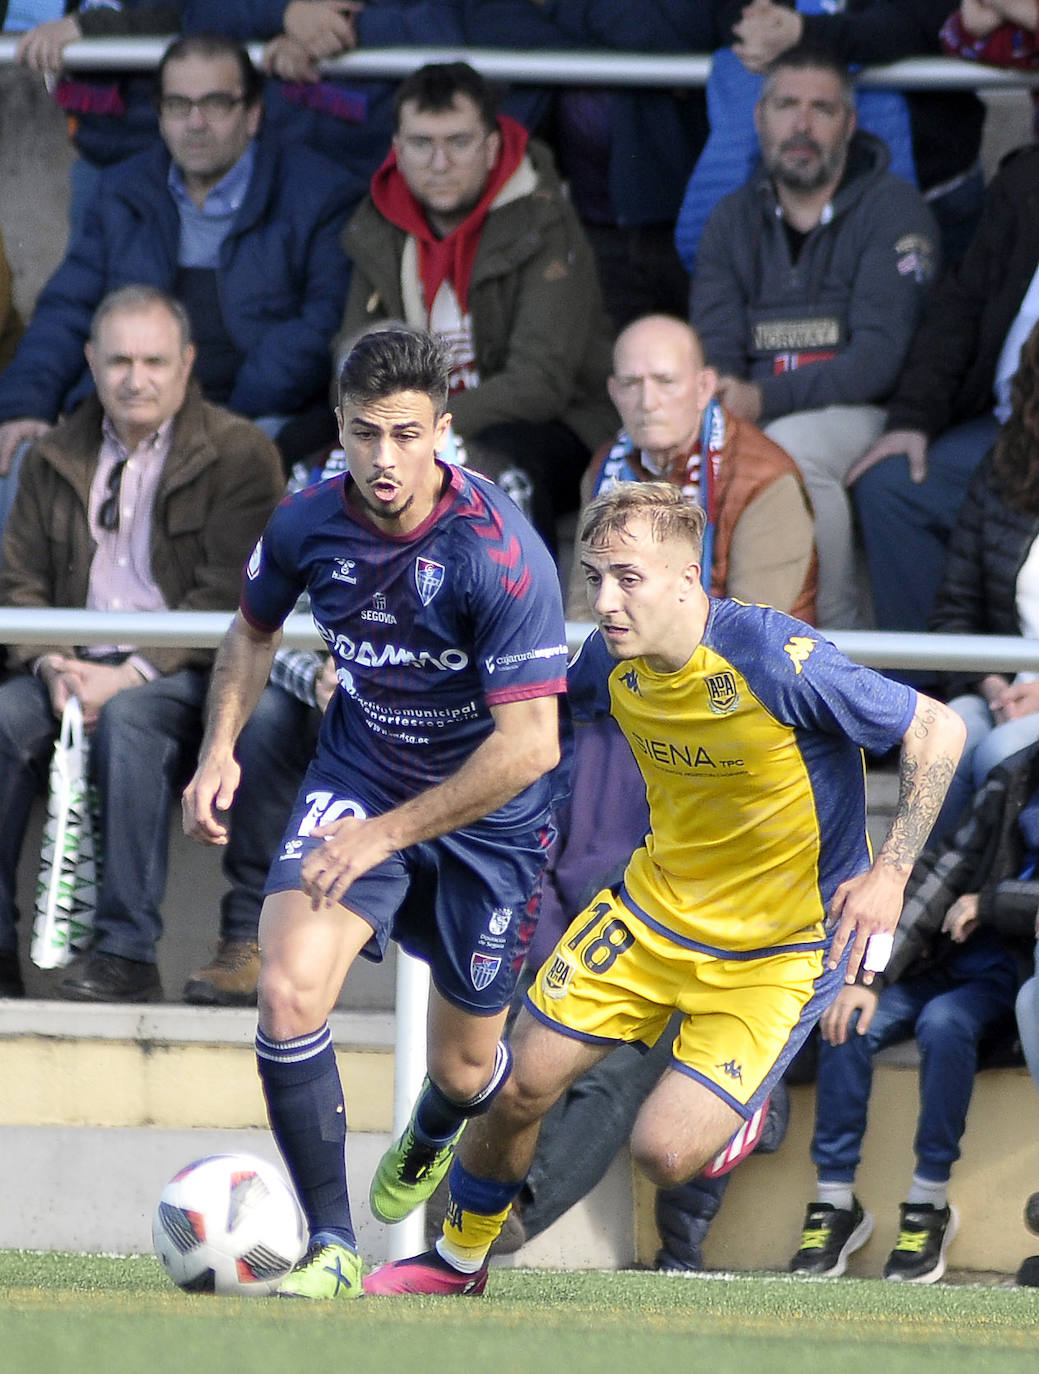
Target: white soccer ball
x=228 y=1224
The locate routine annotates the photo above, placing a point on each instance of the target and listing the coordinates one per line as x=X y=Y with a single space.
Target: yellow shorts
x=744 y=1019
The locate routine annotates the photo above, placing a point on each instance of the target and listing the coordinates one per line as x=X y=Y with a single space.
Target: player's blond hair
x=668 y=514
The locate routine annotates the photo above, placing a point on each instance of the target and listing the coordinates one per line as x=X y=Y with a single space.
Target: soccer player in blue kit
x=425 y=815
x=755 y=894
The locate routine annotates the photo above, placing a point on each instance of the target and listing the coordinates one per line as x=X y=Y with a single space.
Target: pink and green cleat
x=426 y=1273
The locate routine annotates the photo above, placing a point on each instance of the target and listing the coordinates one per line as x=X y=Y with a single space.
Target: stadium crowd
x=802 y=304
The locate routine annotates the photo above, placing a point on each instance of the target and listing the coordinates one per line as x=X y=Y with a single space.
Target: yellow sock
x=468 y=1236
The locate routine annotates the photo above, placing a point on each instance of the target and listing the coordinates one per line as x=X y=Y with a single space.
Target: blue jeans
x=143 y=751
x=948 y=1009
x=273 y=750
x=1027 y=1010
x=906 y=525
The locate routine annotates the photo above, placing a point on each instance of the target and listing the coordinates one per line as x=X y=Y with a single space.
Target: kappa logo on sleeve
x=799 y=647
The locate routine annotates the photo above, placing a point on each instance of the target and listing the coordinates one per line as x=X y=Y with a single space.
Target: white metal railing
x=541 y=67
x=205 y=629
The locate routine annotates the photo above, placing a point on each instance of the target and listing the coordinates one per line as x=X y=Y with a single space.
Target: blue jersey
x=428 y=630
x=752 y=757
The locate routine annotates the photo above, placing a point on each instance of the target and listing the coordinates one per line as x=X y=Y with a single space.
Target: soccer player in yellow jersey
x=755 y=894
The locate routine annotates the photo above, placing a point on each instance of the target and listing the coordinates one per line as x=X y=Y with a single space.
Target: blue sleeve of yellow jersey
x=588 y=680
x=805 y=681
x=821 y=689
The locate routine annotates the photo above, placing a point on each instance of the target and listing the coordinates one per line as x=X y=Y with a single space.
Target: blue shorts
x=466 y=904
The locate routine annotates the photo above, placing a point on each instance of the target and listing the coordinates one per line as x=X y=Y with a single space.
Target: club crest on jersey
x=344 y=571
x=799 y=647
x=722 y=693
x=429 y=578
x=483 y=969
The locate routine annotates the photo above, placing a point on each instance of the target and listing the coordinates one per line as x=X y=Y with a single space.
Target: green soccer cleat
x=327 y=1270
x=408 y=1174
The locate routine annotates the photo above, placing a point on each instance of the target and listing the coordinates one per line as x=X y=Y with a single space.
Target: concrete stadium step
x=99 y=1106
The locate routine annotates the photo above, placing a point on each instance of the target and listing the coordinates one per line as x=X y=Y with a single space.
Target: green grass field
x=90 y=1314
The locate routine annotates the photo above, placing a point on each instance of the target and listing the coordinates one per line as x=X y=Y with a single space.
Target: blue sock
x=304 y=1097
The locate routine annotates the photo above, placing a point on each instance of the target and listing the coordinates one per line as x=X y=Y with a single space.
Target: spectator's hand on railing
x=979 y=19
x=765 y=30
x=285 y=58
x=12 y=433
x=42 y=48
x=911 y=442
x=323 y=27
x=835 y=1021
x=742 y=399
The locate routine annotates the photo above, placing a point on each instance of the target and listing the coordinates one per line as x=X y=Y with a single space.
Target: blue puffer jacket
x=282 y=281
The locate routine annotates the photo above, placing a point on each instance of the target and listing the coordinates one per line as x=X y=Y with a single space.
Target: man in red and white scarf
x=467 y=232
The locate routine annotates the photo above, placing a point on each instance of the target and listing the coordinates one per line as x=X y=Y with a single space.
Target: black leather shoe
x=110 y=978
x=11 y=984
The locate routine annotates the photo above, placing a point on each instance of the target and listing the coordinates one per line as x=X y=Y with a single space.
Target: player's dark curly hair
x=397 y=358
x=669 y=514
x=1015 y=455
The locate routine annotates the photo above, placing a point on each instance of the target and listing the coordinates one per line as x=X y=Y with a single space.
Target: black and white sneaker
x=924 y=1235
x=830 y=1235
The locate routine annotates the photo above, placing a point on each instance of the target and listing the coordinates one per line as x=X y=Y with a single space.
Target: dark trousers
x=948 y=1009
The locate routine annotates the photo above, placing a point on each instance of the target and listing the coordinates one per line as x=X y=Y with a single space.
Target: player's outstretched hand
x=352 y=847
x=868 y=904
x=210 y=791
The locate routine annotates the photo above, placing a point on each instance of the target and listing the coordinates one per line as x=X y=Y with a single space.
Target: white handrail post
x=408 y=1237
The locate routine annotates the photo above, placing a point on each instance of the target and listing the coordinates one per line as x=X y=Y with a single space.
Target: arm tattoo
x=922 y=785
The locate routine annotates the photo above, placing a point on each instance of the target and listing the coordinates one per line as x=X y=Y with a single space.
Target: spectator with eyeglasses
x=467 y=232
x=146 y=498
x=241 y=229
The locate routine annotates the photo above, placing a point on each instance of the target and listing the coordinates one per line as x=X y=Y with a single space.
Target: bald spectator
x=761 y=540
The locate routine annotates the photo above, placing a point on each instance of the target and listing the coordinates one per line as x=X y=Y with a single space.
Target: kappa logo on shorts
x=500 y=918
x=722 y=693
x=429 y=578
x=731 y=1070
x=556 y=978
x=483 y=969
